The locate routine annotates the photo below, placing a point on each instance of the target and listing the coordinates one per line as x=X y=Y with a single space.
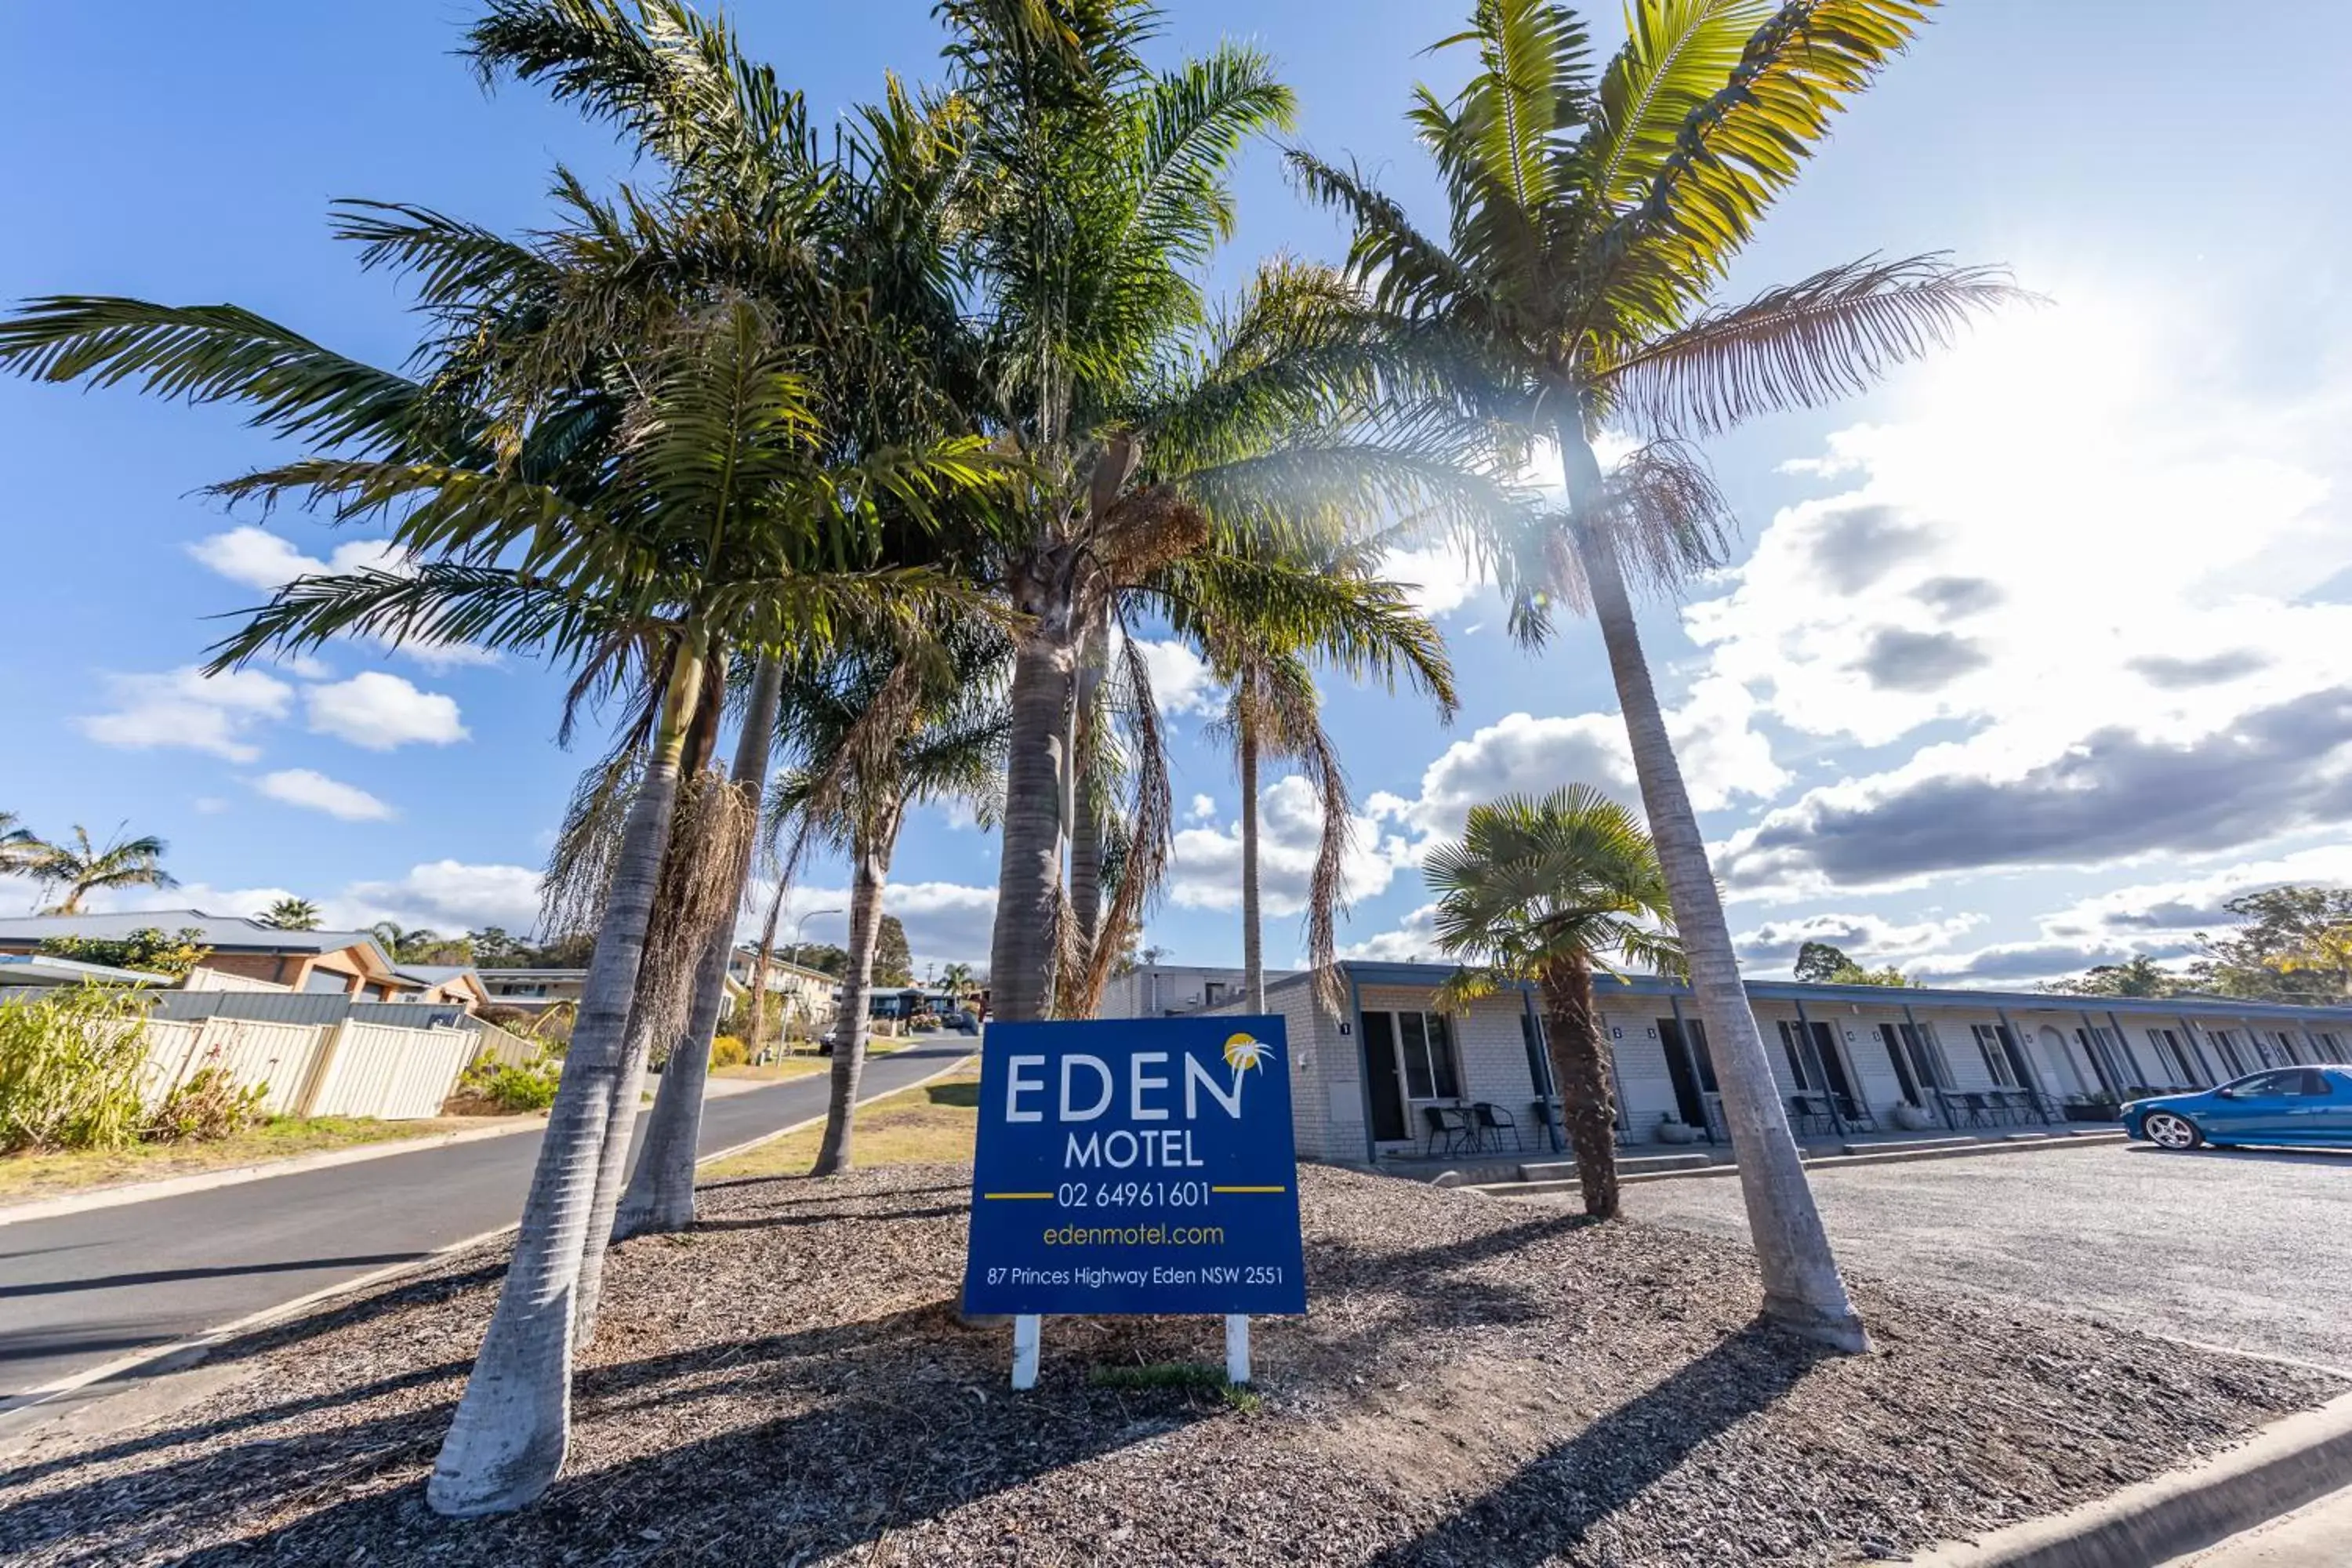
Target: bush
x=71 y=1066
x=727 y=1051
x=146 y=949
x=208 y=1105
x=505 y=1089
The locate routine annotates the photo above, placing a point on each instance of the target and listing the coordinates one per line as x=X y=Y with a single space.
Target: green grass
x=1190 y=1375
x=937 y=1123
x=31 y=1175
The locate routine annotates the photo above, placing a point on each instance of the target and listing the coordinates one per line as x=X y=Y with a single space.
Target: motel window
x=2172 y=1056
x=1795 y=1048
x=1996 y=1060
x=2331 y=1048
x=2287 y=1049
x=2236 y=1061
x=1423 y=1043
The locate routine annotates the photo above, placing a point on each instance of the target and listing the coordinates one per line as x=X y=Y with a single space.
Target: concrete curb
x=1825 y=1163
x=187 y=1352
x=293 y=1165
x=2287 y=1465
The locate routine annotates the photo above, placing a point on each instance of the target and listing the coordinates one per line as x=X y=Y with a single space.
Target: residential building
x=1172 y=989
x=458 y=985
x=806 y=998
x=347 y=963
x=1370 y=1078
x=533 y=989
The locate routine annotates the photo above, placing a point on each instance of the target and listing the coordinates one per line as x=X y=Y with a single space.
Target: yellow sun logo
x=1244 y=1052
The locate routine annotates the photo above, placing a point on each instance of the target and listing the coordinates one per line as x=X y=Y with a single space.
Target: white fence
x=505 y=1046
x=203 y=979
x=316 y=1069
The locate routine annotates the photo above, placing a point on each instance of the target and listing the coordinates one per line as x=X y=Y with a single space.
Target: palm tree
x=1262 y=624
x=19 y=846
x=957 y=980
x=1589 y=221
x=1545 y=890
x=948 y=745
x=294 y=914
x=81 y=868
x=1100 y=191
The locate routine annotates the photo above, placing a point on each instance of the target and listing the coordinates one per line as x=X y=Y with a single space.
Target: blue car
x=2307 y=1106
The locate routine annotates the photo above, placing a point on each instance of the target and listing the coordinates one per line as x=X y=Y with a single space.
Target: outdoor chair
x=1974 y=1108
x=1810 y=1112
x=1549 y=1124
x=1494 y=1119
x=1857 y=1116
x=1449 y=1123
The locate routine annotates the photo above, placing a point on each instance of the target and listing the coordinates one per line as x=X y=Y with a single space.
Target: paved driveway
x=2243 y=1249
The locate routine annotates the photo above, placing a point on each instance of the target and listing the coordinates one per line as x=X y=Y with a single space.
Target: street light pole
x=800 y=928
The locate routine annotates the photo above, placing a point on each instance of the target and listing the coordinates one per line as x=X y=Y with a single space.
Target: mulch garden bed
x=1477 y=1382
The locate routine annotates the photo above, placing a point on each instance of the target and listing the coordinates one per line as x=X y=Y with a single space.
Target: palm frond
x=1833 y=335
x=1678 y=56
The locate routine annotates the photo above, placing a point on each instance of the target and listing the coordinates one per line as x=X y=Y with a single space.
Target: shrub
x=71 y=1066
x=208 y=1105
x=727 y=1051
x=504 y=1088
x=146 y=949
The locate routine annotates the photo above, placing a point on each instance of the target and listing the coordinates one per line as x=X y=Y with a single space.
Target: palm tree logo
x=1246 y=1053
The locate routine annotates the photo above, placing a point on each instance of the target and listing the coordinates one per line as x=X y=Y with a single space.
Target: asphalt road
x=82 y=1289
x=2243 y=1249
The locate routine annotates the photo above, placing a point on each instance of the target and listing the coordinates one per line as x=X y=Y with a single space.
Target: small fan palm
x=19 y=844
x=291 y=914
x=82 y=867
x=1549 y=890
x=1590 y=216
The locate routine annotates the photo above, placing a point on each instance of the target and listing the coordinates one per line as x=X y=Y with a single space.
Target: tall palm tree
x=1547 y=891
x=1262 y=623
x=957 y=982
x=1589 y=218
x=292 y=914
x=81 y=868
x=949 y=745
x=1101 y=189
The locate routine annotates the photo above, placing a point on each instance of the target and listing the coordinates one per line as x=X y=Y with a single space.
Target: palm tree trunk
x=1029 y=881
x=647 y=1022
x=1580 y=1066
x=1085 y=815
x=513 y=1426
x=1802 y=1286
x=836 y=1152
x=1252 y=933
x=660 y=1194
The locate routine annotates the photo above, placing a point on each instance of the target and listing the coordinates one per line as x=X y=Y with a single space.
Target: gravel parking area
x=2243 y=1249
x=1479 y=1383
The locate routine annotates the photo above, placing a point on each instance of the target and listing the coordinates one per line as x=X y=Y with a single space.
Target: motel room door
x=1383 y=1077
x=1688 y=1065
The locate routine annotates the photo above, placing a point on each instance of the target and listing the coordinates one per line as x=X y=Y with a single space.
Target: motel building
x=1398 y=1080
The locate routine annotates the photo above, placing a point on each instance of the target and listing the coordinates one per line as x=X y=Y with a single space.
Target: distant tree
x=290 y=914
x=1817 y=960
x=2292 y=944
x=822 y=956
x=147 y=949
x=422 y=945
x=82 y=868
x=564 y=952
x=1823 y=964
x=956 y=980
x=894 y=961
x=2142 y=976
x=494 y=948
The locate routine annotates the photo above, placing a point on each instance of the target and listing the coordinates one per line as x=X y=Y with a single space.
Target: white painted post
x=1237 y=1368
x=1024 y=1351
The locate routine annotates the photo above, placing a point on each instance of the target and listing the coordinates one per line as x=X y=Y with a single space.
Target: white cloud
x=1204 y=809
x=381 y=712
x=1181 y=681
x=184 y=707
x=1205 y=867
x=259 y=558
x=947 y=922
x=314 y=791
x=1518 y=754
x=1413 y=940
x=2035 y=558
x=1870 y=939
x=1438 y=577
x=443 y=895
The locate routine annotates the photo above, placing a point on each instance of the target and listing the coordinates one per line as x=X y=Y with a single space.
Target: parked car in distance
x=2307 y=1106
x=962 y=1023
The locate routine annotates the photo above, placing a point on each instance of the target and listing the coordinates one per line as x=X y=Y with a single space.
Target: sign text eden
x=1136 y=1166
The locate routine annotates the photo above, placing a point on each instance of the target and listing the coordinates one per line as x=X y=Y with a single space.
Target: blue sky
x=2026 y=661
